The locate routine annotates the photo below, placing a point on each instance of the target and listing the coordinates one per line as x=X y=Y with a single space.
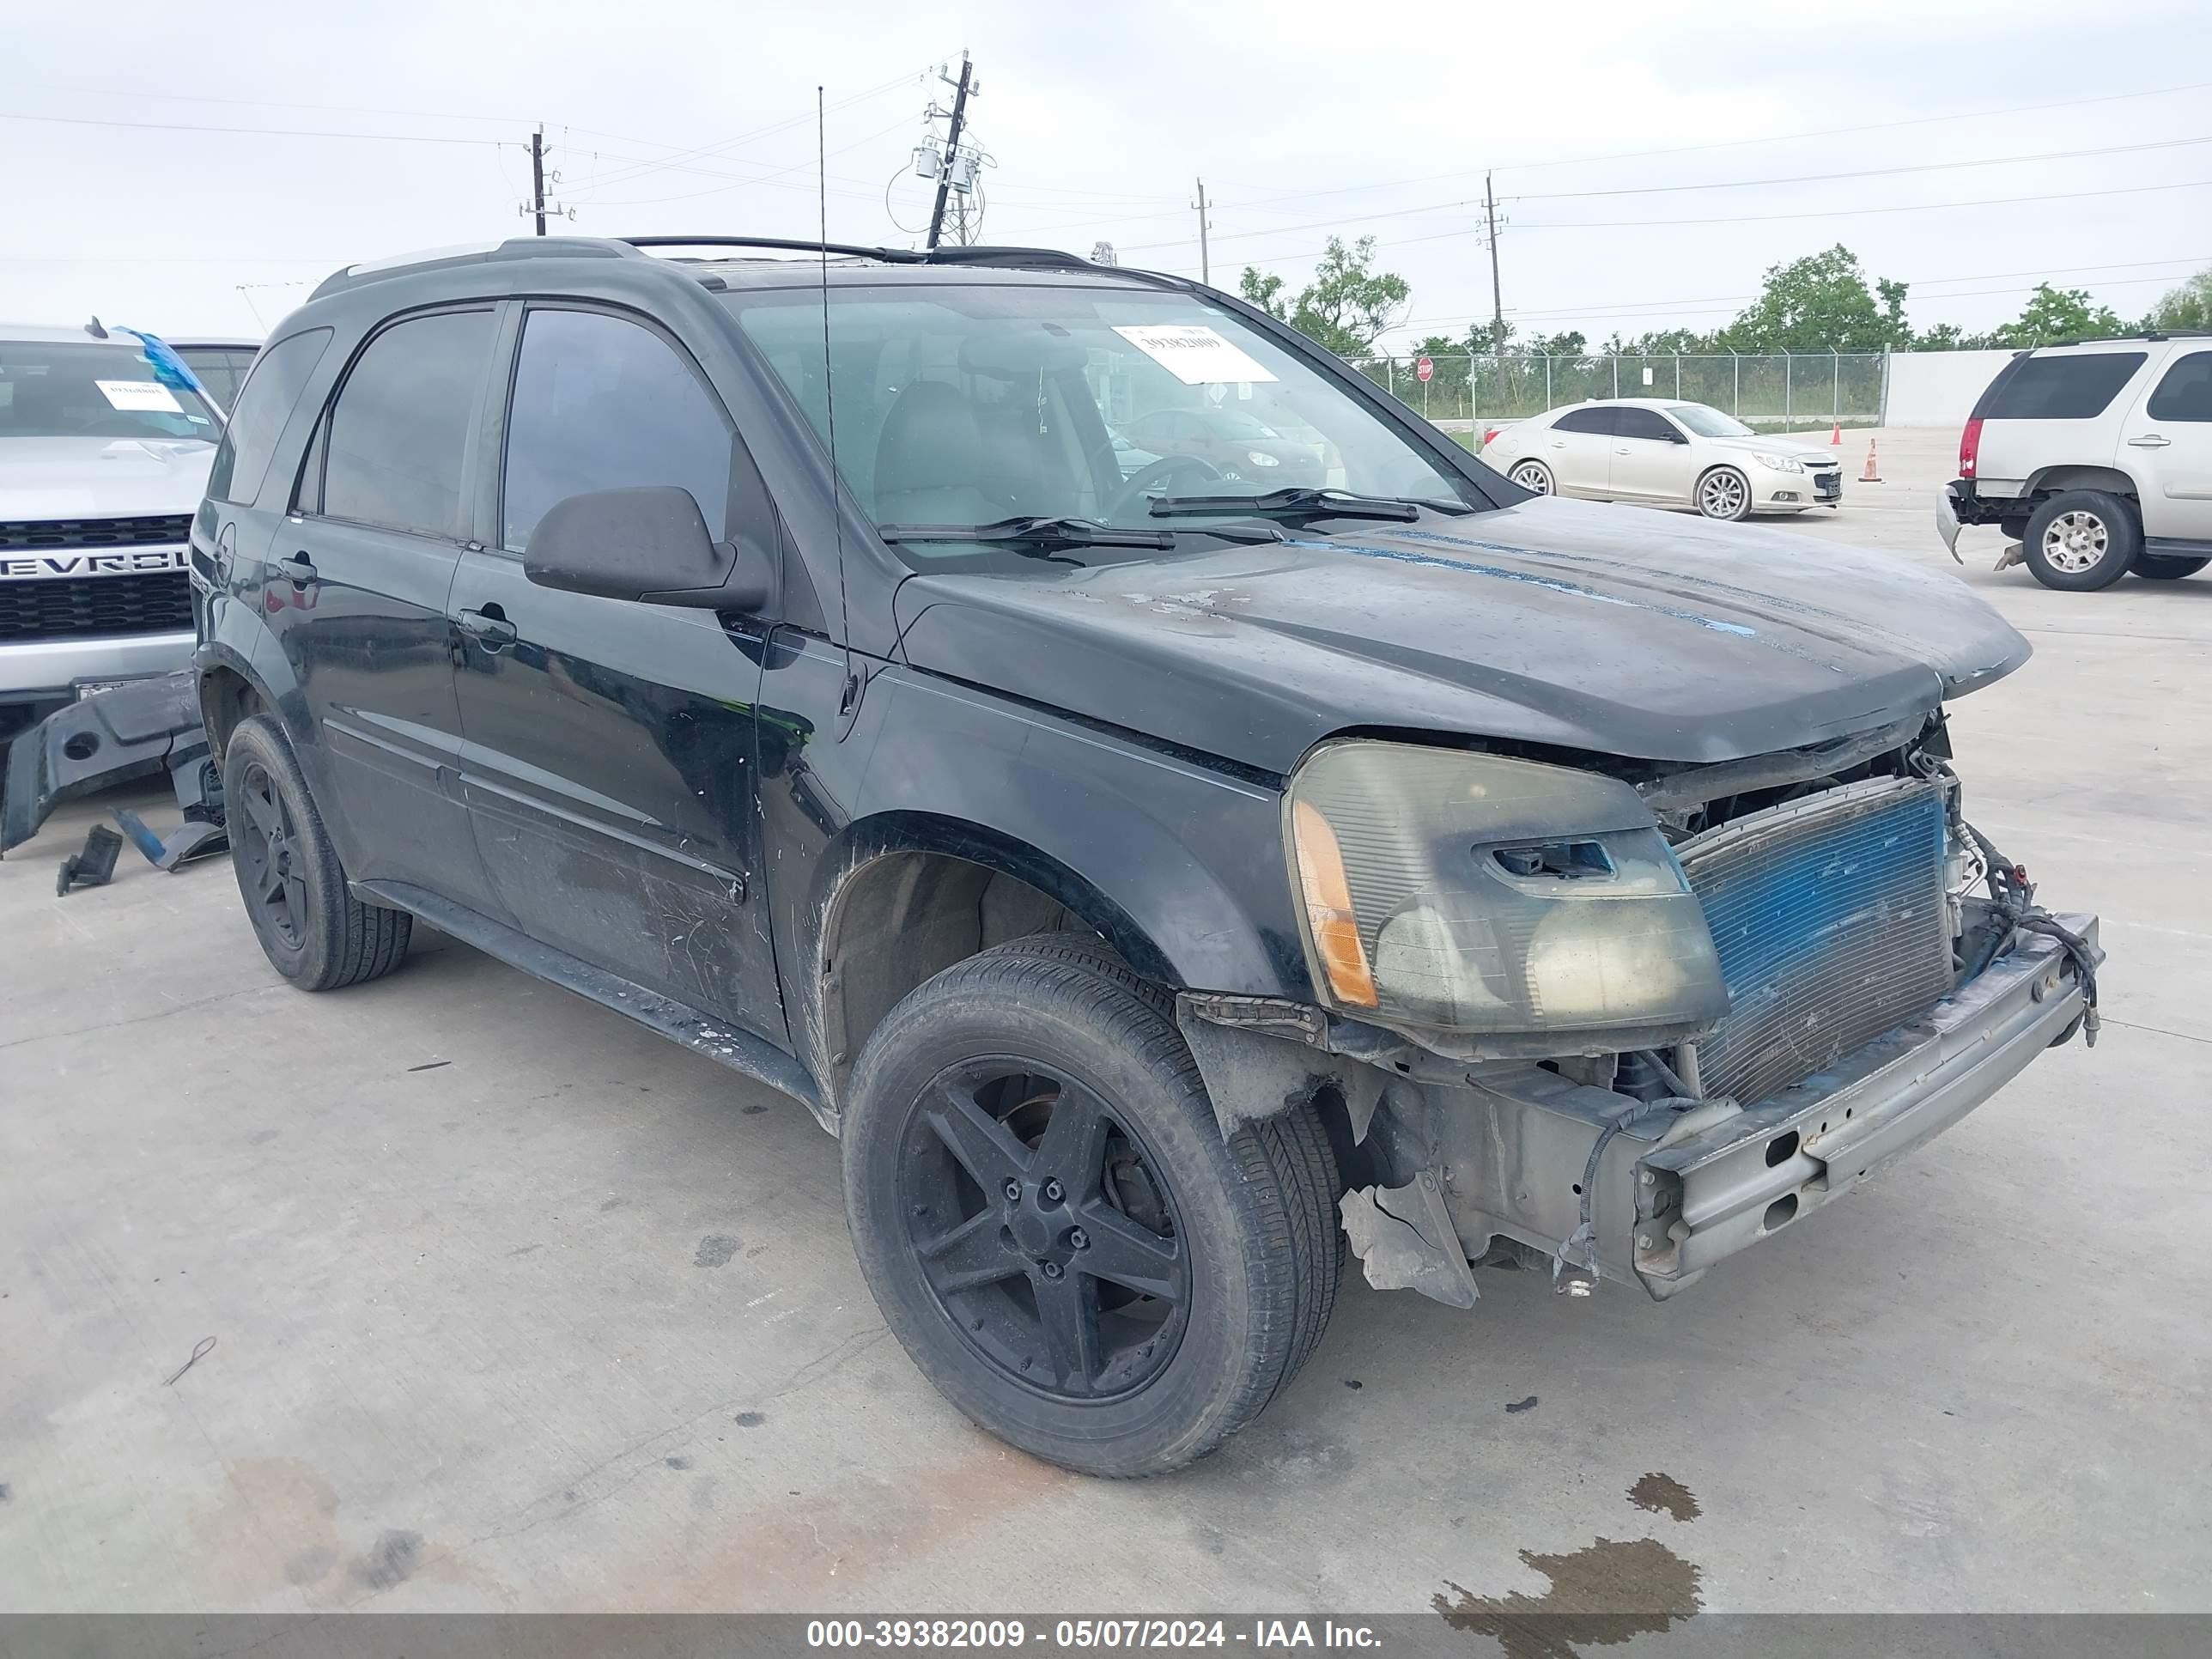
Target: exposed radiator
x=1830 y=920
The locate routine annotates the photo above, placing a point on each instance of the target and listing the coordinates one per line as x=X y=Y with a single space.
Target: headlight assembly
x=1778 y=463
x=1477 y=893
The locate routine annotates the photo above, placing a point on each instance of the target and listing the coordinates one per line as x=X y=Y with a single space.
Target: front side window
x=1708 y=422
x=601 y=403
x=96 y=389
x=965 y=404
x=264 y=407
x=2185 y=393
x=393 y=450
x=1646 y=423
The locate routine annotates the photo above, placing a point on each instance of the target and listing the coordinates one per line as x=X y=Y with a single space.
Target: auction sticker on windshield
x=149 y=395
x=1194 y=353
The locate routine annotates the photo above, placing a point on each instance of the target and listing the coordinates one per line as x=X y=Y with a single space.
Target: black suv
x=1143 y=876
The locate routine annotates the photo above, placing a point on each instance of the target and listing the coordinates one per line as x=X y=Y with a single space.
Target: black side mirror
x=649 y=545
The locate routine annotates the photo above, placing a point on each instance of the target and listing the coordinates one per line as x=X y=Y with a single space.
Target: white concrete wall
x=1938 y=388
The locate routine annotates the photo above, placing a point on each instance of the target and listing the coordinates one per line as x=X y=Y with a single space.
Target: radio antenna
x=851 y=694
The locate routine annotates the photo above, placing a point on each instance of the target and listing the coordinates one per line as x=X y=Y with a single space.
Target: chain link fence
x=1777 y=392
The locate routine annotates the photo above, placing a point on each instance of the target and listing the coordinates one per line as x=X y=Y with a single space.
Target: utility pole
x=1497 y=299
x=538 y=178
x=1204 y=262
x=951 y=151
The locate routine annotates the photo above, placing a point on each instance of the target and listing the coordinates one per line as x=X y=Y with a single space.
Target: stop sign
x=1425 y=370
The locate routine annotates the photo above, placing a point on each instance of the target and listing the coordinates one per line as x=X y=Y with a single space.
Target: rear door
x=1578 y=450
x=2047 y=409
x=1650 y=459
x=356 y=590
x=2168 y=438
x=609 y=766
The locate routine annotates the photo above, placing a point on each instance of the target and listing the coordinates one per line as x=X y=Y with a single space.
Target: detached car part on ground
x=2096 y=458
x=1143 y=876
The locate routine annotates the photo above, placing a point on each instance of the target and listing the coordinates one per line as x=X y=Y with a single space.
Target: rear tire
x=2081 y=540
x=312 y=929
x=1032 y=1114
x=2167 y=567
x=1533 y=476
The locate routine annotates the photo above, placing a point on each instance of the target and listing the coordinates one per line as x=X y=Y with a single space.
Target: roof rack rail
x=514 y=247
x=1041 y=258
x=895 y=255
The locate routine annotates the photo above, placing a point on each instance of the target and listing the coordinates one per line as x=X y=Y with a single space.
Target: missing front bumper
x=1511 y=1148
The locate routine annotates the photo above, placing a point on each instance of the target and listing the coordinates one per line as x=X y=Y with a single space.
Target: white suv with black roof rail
x=104 y=456
x=2096 y=458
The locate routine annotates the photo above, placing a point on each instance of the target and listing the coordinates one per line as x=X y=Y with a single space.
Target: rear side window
x=264 y=408
x=1599 y=421
x=2185 y=393
x=394 y=443
x=2079 y=388
x=1646 y=423
x=603 y=404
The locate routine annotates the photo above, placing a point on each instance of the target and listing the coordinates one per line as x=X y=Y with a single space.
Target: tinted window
x=1599 y=421
x=1646 y=423
x=219 y=370
x=2185 y=393
x=2070 y=388
x=602 y=403
x=400 y=427
x=262 y=409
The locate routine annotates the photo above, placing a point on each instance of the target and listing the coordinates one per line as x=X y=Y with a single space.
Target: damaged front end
x=1628 y=1028
x=142 y=729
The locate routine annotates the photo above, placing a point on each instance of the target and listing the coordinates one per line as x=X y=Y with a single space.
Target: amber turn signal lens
x=1327 y=897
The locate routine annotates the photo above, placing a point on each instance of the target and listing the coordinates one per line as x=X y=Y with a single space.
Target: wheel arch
x=229 y=694
x=908 y=894
x=2112 y=480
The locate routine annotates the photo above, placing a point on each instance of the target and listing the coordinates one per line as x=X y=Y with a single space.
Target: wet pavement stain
x=715 y=1251
x=1664 y=1494
x=1601 y=1596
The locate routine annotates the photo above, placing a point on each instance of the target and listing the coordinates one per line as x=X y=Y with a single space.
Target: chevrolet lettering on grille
x=123 y=562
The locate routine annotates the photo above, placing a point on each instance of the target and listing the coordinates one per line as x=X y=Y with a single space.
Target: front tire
x=312 y=929
x=1053 y=1226
x=2167 y=567
x=1724 y=494
x=2081 y=540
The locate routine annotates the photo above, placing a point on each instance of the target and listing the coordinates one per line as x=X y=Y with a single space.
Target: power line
x=1725 y=184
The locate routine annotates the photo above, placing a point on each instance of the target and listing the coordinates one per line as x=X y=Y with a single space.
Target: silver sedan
x=1665 y=454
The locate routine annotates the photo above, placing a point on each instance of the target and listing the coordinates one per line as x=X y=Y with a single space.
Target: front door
x=354 y=590
x=1651 y=457
x=2169 y=438
x=608 y=760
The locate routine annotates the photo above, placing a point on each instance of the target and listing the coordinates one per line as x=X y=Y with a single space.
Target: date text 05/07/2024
x=1009 y=1634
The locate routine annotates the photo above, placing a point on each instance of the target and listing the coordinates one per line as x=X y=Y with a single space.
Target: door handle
x=2150 y=440
x=1620 y=452
x=300 y=568
x=488 y=627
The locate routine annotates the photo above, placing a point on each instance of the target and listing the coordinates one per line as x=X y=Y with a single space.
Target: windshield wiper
x=1304 y=503
x=1032 y=529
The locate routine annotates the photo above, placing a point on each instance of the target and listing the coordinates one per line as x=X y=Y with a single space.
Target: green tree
x=1818 y=303
x=2188 y=306
x=1347 y=307
x=2053 y=314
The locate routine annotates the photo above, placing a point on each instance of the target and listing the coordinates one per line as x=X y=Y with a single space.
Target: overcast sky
x=667 y=115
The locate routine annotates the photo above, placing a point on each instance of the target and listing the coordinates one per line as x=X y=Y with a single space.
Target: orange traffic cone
x=1838 y=440
x=1872 y=473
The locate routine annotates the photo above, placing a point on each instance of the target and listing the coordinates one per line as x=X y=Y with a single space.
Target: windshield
x=98 y=389
x=1708 y=422
x=971 y=405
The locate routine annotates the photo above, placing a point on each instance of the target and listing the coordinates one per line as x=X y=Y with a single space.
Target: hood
x=1570 y=624
x=1807 y=455
x=101 y=478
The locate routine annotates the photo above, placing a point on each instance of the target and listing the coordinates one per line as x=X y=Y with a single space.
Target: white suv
x=2096 y=458
x=104 y=456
